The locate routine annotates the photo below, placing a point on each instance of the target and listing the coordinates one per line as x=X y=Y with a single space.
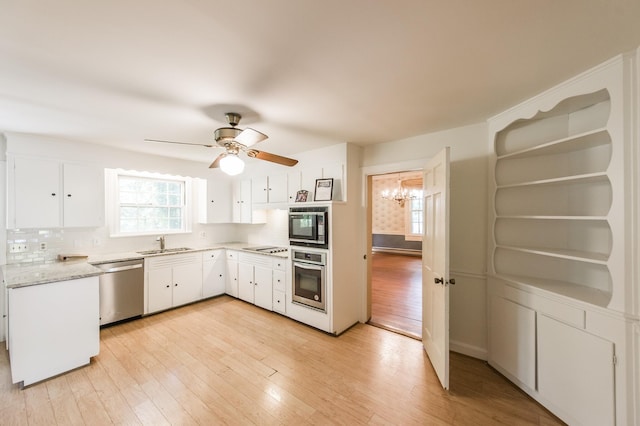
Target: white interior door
x=435 y=264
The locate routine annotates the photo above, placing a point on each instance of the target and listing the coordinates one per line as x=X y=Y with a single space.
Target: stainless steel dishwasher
x=121 y=290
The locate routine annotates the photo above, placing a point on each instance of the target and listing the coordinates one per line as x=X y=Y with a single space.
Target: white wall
x=98 y=240
x=470 y=151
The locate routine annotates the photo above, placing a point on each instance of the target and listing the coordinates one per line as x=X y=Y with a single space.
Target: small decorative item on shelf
x=301 y=196
x=324 y=190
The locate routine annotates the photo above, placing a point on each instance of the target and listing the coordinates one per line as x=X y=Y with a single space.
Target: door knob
x=452 y=281
x=438 y=280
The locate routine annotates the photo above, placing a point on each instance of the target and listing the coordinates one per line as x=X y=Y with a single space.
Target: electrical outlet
x=203 y=234
x=43 y=245
x=18 y=248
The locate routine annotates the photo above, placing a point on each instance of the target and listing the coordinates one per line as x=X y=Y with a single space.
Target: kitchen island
x=52 y=318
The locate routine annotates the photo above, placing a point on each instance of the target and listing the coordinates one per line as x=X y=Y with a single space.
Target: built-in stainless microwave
x=309 y=227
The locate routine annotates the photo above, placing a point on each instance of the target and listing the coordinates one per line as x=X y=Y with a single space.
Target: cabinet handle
x=212 y=201
x=438 y=280
x=176 y=285
x=168 y=285
x=220 y=275
x=53 y=194
x=68 y=195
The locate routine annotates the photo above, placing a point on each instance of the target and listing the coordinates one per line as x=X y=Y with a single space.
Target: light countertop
x=26 y=274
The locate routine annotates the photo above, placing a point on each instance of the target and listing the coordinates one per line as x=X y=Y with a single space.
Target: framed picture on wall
x=324 y=190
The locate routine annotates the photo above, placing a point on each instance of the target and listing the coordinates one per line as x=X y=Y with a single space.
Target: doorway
x=395 y=218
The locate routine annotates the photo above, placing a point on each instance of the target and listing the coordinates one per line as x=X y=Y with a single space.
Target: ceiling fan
x=234 y=141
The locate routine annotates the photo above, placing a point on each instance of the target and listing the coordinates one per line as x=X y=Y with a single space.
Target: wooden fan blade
x=261 y=155
x=249 y=137
x=180 y=143
x=216 y=162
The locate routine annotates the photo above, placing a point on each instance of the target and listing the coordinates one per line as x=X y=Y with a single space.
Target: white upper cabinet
x=215 y=201
x=83 y=204
x=241 y=203
x=49 y=194
x=269 y=189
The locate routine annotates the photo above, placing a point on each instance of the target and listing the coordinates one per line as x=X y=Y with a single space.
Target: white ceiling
x=312 y=73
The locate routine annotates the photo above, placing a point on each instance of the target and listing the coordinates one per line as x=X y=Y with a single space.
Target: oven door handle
x=308 y=266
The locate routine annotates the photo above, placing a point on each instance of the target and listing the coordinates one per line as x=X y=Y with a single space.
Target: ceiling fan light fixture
x=231 y=164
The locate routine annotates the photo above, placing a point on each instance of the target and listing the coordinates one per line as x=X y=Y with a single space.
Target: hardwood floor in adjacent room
x=223 y=361
x=396 y=293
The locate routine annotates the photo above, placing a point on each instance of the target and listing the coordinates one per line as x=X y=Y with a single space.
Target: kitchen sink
x=170 y=250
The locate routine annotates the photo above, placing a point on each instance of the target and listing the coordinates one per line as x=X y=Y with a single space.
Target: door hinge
x=615 y=359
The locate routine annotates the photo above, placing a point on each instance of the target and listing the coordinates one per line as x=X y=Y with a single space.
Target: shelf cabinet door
x=187 y=284
x=36 y=194
x=277 y=188
x=576 y=372
x=160 y=295
x=213 y=273
x=260 y=189
x=246 y=282
x=512 y=339
x=219 y=202
x=231 y=284
x=263 y=293
x=83 y=197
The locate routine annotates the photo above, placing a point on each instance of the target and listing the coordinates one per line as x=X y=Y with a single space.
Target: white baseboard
x=469 y=350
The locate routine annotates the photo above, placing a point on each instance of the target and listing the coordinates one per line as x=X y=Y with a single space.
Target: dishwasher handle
x=110 y=268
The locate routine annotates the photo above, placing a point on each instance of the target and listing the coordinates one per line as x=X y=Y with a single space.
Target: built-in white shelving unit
x=561 y=238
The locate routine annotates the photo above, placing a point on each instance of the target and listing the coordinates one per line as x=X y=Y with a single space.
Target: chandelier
x=400 y=195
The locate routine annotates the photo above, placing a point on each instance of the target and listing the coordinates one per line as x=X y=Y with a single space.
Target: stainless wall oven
x=309 y=279
x=309 y=227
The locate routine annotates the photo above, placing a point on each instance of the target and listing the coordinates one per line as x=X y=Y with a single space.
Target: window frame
x=408 y=234
x=113 y=201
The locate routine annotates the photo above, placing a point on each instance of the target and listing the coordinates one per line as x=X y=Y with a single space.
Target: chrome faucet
x=161 y=239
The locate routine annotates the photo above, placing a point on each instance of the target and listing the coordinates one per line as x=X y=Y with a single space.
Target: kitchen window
x=149 y=203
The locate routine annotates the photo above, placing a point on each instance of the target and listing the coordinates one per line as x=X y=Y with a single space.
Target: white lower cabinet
x=279 y=291
x=231 y=284
x=255 y=281
x=53 y=328
x=576 y=373
x=260 y=278
x=513 y=339
x=173 y=280
x=562 y=355
x=214 y=267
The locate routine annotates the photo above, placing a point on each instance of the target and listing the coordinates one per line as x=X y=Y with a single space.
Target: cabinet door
x=83 y=196
x=512 y=339
x=245 y=282
x=259 y=189
x=232 y=278
x=277 y=188
x=187 y=283
x=160 y=289
x=576 y=373
x=36 y=193
x=219 y=201
x=263 y=279
x=213 y=276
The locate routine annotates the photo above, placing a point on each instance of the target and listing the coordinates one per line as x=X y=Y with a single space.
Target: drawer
x=211 y=255
x=279 y=281
x=279 y=304
x=280 y=264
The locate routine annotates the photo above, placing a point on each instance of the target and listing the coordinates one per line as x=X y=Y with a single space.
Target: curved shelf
x=579 y=255
x=586 y=294
x=584 y=178
x=576 y=142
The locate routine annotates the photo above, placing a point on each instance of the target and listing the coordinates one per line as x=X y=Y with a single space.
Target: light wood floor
x=396 y=293
x=225 y=361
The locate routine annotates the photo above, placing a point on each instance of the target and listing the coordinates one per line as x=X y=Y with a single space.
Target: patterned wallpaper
x=388 y=216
